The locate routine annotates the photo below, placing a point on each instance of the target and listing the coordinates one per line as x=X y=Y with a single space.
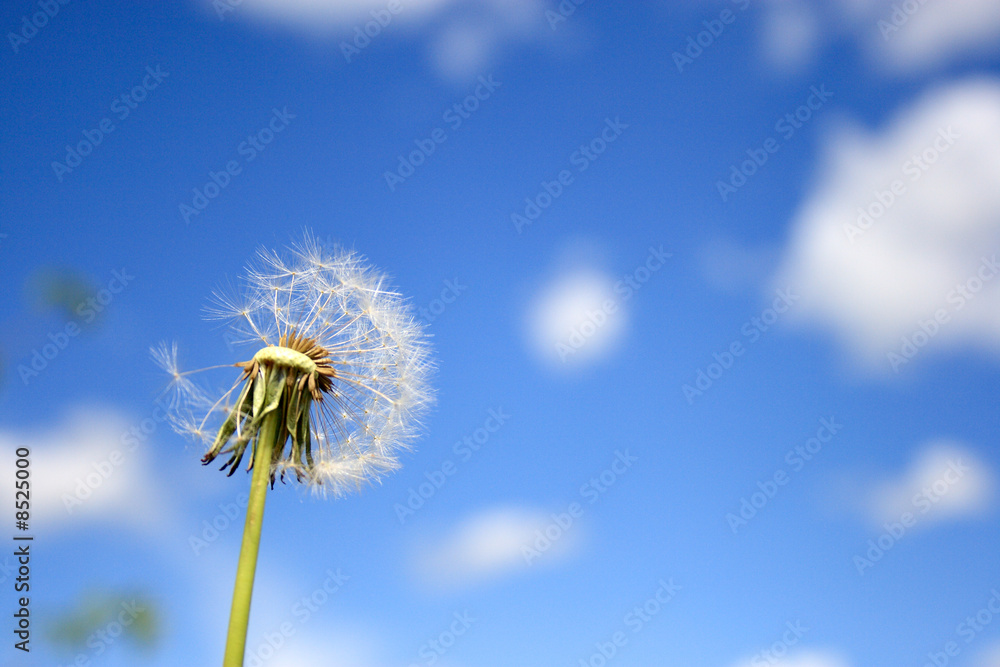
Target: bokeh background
x=712 y=288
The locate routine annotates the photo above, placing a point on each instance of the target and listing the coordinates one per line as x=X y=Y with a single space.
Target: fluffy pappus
x=340 y=362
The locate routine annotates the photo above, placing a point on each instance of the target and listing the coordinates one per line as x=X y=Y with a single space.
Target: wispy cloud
x=899 y=38
x=804 y=659
x=485 y=546
x=731 y=267
x=462 y=37
x=990 y=657
x=790 y=35
x=944 y=481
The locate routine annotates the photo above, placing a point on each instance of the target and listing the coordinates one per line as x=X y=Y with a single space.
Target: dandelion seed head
x=338 y=351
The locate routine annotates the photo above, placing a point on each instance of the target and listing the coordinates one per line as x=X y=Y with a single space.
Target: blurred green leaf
x=60 y=288
x=135 y=613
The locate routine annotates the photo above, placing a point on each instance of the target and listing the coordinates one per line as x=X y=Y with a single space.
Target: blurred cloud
x=467 y=43
x=319 y=14
x=81 y=471
x=488 y=545
x=570 y=322
x=902 y=228
x=463 y=48
x=990 y=657
x=899 y=37
x=790 y=35
x=804 y=659
x=925 y=34
x=332 y=650
x=464 y=36
x=944 y=481
x=731 y=267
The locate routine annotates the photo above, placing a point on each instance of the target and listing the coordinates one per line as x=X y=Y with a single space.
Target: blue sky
x=639 y=353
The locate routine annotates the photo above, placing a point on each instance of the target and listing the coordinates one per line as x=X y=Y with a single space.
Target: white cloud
x=874 y=279
x=944 y=481
x=80 y=471
x=803 y=659
x=325 y=14
x=930 y=34
x=570 y=322
x=464 y=36
x=790 y=34
x=491 y=544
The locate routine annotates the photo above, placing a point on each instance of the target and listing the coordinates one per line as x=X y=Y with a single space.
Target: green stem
x=239 y=616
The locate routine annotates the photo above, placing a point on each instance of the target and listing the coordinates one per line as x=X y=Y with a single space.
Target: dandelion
x=334 y=391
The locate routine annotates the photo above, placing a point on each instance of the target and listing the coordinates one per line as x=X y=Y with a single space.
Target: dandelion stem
x=239 y=616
